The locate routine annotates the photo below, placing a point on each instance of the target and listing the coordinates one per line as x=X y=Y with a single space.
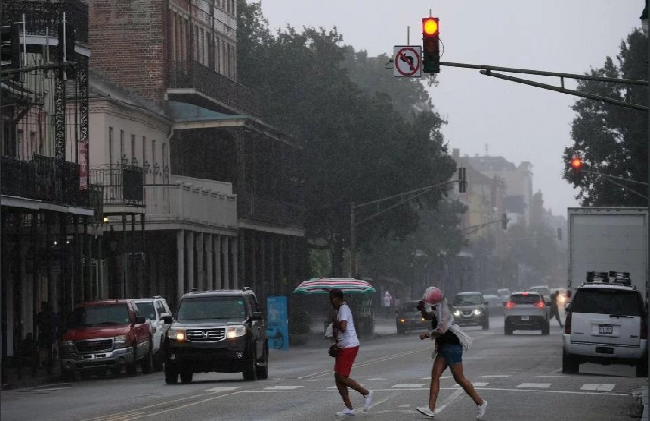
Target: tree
x=357 y=147
x=609 y=138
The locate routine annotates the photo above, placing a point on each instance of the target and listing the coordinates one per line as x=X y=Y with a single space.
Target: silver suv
x=526 y=311
x=606 y=324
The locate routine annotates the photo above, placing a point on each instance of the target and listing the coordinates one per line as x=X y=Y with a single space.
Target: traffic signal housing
x=10 y=48
x=430 y=45
x=462 y=180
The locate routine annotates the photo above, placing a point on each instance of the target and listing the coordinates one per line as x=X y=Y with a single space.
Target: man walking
x=348 y=347
x=388 y=300
x=555 y=309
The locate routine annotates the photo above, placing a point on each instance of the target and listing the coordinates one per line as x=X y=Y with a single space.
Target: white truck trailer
x=608 y=239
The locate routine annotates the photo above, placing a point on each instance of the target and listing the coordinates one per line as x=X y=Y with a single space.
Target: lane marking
x=598 y=387
x=535 y=385
x=282 y=387
x=376 y=379
x=496 y=376
x=408 y=385
x=550 y=377
x=501 y=389
x=221 y=389
x=386 y=399
x=405 y=406
x=480 y=384
x=449 y=400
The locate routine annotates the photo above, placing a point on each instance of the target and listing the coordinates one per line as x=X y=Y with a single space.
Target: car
x=221 y=331
x=155 y=309
x=470 y=309
x=408 y=317
x=526 y=311
x=504 y=293
x=494 y=303
x=544 y=290
x=606 y=323
x=103 y=335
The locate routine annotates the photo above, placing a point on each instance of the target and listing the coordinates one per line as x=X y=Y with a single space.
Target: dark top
x=448 y=338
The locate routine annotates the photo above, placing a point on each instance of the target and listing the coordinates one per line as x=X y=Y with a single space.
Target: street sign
x=408 y=61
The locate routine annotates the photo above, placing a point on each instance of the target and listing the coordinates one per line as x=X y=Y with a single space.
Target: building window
x=19 y=144
x=110 y=146
x=32 y=142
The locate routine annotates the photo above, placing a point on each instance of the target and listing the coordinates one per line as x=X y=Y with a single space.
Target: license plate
x=604 y=350
x=605 y=329
x=524 y=318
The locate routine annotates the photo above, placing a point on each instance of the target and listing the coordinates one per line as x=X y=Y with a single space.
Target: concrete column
x=199 y=262
x=218 y=279
x=241 y=261
x=225 y=262
x=189 y=245
x=253 y=262
x=263 y=287
x=209 y=264
x=180 y=265
x=235 y=260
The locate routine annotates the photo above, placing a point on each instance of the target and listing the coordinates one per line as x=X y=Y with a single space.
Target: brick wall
x=127 y=43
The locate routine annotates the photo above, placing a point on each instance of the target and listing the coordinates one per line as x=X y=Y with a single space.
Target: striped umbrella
x=324 y=285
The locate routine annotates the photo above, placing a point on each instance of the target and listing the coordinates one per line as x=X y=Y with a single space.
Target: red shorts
x=344 y=360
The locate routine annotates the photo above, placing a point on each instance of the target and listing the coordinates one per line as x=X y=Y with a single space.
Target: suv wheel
x=171 y=375
x=262 y=371
x=147 y=362
x=642 y=367
x=570 y=364
x=250 y=372
x=132 y=368
x=186 y=377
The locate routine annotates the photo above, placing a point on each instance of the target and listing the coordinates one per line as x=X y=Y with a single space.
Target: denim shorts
x=451 y=353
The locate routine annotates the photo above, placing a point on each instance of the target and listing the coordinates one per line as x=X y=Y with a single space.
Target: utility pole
x=647 y=280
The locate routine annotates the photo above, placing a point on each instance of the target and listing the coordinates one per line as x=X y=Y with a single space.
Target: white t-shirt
x=347 y=339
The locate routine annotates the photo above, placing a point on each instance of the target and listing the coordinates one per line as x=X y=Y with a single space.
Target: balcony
x=44 y=15
x=123 y=187
x=46 y=180
x=274 y=212
x=185 y=79
x=191 y=201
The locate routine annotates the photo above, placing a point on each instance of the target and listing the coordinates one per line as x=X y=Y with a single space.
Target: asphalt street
x=519 y=376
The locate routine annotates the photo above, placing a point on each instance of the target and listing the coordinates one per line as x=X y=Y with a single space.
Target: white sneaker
x=424 y=410
x=347 y=412
x=480 y=413
x=367 y=401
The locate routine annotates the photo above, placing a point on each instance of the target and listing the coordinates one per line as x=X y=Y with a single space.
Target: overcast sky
x=518 y=122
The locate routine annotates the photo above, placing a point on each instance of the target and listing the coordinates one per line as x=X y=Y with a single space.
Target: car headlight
x=457 y=313
x=236 y=331
x=477 y=312
x=402 y=320
x=177 y=334
x=120 y=341
x=67 y=343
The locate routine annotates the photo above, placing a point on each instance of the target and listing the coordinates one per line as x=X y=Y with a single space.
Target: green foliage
x=320 y=262
x=611 y=139
x=360 y=144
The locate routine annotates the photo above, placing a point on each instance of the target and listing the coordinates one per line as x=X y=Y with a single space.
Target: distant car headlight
x=67 y=344
x=120 y=341
x=457 y=313
x=477 y=312
x=236 y=331
x=176 y=334
x=402 y=320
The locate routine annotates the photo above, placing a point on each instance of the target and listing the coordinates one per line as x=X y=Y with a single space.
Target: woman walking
x=348 y=347
x=450 y=342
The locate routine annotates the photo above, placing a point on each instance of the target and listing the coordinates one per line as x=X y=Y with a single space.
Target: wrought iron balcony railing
x=262 y=209
x=190 y=74
x=44 y=15
x=122 y=184
x=43 y=178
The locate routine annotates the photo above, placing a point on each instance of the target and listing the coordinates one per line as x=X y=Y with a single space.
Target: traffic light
x=66 y=46
x=10 y=48
x=430 y=45
x=576 y=165
x=462 y=180
x=504 y=221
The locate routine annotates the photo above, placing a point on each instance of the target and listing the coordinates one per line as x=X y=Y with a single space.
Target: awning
x=23 y=203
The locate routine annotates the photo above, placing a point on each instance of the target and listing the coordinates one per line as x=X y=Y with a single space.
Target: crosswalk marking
x=598 y=387
x=376 y=379
x=408 y=385
x=480 y=384
x=222 y=389
x=496 y=376
x=282 y=387
x=405 y=406
x=535 y=385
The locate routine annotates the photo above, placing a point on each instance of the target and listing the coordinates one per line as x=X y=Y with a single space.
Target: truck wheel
x=147 y=362
x=570 y=364
x=186 y=377
x=250 y=373
x=132 y=367
x=262 y=371
x=171 y=375
x=642 y=367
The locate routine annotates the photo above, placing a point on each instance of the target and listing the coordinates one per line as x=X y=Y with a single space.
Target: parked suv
x=217 y=331
x=526 y=311
x=105 y=335
x=155 y=309
x=471 y=309
x=606 y=324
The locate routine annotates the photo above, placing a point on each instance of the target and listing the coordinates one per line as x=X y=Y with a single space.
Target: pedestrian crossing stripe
x=477 y=384
x=408 y=385
x=222 y=389
x=535 y=385
x=598 y=387
x=282 y=387
x=375 y=379
x=496 y=376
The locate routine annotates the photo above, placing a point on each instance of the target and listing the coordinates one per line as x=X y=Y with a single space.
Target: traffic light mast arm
x=614 y=177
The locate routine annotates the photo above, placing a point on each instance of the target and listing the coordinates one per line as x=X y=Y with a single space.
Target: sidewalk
x=27 y=378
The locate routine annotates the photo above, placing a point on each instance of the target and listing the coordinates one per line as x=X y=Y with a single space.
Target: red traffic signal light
x=576 y=163
x=430 y=45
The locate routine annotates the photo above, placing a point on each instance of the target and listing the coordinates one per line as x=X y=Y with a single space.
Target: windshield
x=541 y=290
x=146 y=310
x=525 y=299
x=107 y=315
x=607 y=301
x=409 y=306
x=462 y=300
x=210 y=308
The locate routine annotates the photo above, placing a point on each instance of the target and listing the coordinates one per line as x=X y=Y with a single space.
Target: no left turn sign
x=408 y=61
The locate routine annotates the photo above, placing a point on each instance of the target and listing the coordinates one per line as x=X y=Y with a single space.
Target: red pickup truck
x=103 y=335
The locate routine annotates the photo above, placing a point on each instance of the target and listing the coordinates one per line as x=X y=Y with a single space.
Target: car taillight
x=644 y=327
x=567 y=323
x=510 y=305
x=540 y=304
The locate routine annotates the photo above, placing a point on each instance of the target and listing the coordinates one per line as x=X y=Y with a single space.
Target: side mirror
x=166 y=318
x=140 y=320
x=257 y=317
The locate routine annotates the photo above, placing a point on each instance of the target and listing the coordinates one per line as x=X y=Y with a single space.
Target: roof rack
x=621 y=278
x=157 y=296
x=246 y=289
